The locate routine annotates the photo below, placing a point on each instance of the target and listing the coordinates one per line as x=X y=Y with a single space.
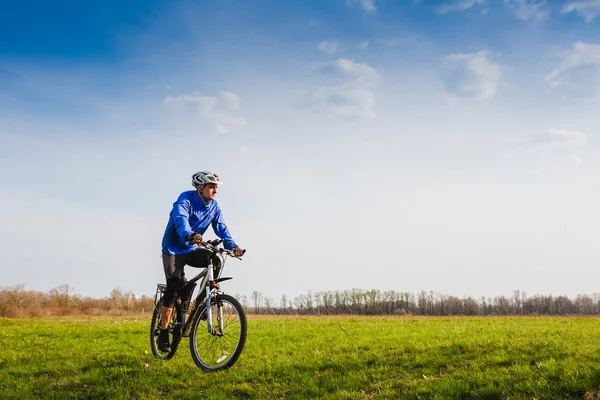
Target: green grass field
x=310 y=357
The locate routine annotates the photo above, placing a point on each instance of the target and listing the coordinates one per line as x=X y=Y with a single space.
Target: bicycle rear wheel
x=174 y=333
x=221 y=349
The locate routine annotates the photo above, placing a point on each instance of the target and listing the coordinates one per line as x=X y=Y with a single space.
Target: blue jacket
x=191 y=215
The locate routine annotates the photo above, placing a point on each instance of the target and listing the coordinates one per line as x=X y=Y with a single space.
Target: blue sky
x=404 y=145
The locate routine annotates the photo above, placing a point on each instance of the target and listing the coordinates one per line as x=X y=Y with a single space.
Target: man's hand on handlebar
x=238 y=252
x=196 y=238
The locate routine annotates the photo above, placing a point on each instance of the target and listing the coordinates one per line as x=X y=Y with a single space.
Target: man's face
x=208 y=191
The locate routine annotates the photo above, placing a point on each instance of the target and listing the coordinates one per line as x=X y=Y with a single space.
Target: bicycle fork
x=209 y=318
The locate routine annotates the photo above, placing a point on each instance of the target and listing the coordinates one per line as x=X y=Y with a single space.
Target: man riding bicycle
x=189 y=219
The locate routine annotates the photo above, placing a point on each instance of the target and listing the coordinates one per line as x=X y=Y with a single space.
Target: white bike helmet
x=204 y=177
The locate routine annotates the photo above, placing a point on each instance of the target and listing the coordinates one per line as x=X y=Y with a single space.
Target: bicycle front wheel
x=221 y=348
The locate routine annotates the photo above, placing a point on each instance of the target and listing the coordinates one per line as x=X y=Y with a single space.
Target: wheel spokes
x=216 y=349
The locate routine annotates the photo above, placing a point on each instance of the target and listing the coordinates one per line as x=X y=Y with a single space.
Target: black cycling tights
x=173 y=286
x=173 y=265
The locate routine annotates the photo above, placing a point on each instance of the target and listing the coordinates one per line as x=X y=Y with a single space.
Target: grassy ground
x=310 y=357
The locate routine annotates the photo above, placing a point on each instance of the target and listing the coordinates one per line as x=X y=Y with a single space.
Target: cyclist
x=190 y=217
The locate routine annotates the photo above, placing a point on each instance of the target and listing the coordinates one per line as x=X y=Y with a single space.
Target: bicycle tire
x=174 y=325
x=210 y=351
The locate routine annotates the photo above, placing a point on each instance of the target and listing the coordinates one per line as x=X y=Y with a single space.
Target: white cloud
x=471 y=75
x=528 y=10
x=363 y=45
x=232 y=99
x=342 y=101
x=350 y=92
x=367 y=5
x=554 y=149
x=362 y=74
x=222 y=112
x=557 y=138
x=587 y=9
x=579 y=70
x=243 y=149
x=457 y=5
x=329 y=47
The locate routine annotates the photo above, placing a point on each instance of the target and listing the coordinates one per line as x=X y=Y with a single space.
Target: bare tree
x=257 y=299
x=300 y=302
x=61 y=294
x=12 y=298
x=117 y=297
x=517 y=301
x=284 y=301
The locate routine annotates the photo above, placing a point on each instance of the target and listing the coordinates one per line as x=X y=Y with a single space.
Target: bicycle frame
x=208 y=283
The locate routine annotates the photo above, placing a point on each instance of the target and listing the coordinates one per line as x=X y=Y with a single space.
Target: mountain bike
x=215 y=322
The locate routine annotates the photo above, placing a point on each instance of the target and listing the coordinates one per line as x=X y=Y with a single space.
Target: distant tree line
x=16 y=302
x=390 y=302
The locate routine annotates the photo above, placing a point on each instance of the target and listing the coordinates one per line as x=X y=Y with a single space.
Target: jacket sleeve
x=181 y=217
x=222 y=231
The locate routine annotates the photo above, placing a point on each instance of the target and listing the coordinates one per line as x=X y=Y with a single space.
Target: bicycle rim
x=221 y=349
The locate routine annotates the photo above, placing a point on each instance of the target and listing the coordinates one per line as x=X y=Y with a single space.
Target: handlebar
x=213 y=245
